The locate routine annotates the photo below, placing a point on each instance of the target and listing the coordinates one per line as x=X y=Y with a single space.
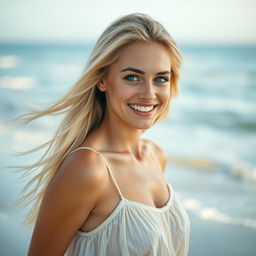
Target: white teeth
x=142 y=109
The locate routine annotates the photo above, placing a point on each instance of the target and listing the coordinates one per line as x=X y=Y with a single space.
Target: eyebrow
x=142 y=72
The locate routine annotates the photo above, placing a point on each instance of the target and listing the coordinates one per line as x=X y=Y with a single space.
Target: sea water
x=209 y=135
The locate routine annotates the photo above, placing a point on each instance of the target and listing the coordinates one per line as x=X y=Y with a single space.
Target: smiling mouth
x=143 y=109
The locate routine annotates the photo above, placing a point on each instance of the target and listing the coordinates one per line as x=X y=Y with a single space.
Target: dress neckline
x=120 y=205
x=149 y=207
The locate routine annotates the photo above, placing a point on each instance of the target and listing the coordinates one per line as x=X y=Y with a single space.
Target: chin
x=143 y=126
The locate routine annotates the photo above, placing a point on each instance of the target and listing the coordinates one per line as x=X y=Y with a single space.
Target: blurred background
x=210 y=133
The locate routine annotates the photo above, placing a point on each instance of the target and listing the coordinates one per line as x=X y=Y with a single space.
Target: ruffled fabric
x=135 y=229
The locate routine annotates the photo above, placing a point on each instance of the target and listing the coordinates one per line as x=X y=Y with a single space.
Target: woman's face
x=137 y=85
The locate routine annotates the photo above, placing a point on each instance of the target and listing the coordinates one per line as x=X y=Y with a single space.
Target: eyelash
x=129 y=76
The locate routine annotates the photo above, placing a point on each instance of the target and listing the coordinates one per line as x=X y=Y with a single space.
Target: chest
x=143 y=183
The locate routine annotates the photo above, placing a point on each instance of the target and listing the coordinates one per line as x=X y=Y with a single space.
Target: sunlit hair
x=84 y=105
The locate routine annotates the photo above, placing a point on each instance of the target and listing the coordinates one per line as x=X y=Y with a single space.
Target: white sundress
x=136 y=229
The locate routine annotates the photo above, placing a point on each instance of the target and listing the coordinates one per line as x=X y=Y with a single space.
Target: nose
x=147 y=90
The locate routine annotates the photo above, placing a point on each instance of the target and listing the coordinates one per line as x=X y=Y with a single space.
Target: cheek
x=122 y=93
x=165 y=94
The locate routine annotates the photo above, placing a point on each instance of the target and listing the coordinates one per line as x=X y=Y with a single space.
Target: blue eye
x=131 y=78
x=161 y=79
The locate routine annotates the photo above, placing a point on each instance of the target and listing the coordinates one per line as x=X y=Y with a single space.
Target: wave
x=214 y=214
x=17 y=83
x=242 y=172
x=9 y=61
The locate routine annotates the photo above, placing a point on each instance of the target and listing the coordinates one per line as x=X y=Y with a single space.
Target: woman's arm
x=68 y=200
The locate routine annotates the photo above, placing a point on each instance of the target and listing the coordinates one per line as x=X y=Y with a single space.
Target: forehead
x=147 y=56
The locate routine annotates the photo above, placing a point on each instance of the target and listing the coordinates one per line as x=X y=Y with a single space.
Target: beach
x=209 y=137
x=213 y=229
x=210 y=233
x=211 y=239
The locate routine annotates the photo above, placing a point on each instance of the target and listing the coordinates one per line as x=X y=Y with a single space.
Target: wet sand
x=209 y=238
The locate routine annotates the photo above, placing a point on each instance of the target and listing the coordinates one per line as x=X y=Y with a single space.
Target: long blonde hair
x=84 y=105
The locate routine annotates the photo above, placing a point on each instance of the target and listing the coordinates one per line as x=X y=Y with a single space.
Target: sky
x=188 y=21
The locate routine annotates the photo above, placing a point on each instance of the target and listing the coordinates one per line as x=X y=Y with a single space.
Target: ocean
x=210 y=134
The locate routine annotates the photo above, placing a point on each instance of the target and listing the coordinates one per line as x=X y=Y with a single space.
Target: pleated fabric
x=136 y=229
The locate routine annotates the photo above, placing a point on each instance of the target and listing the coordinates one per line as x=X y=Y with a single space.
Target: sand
x=209 y=238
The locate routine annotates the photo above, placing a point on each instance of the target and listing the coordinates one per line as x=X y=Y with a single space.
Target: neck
x=120 y=137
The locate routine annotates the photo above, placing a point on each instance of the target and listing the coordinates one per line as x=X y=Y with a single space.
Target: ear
x=102 y=86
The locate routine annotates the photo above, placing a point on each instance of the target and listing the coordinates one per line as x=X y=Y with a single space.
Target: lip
x=143 y=105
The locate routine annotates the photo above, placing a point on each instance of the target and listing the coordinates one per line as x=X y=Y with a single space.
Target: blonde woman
x=101 y=189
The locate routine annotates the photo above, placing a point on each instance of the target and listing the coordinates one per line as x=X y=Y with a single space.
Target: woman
x=103 y=187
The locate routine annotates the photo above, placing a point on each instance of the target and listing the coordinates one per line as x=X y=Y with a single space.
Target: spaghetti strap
x=110 y=172
x=157 y=163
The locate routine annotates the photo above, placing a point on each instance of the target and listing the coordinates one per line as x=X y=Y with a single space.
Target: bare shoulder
x=83 y=171
x=67 y=202
x=84 y=167
x=159 y=153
